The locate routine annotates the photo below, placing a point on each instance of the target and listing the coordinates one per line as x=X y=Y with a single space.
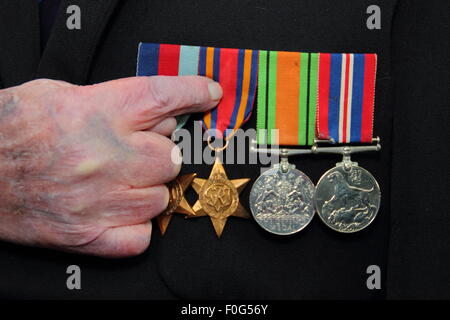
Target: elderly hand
x=82 y=168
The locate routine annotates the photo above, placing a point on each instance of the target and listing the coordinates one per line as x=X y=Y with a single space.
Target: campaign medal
x=347 y=197
x=171 y=60
x=219 y=197
x=281 y=199
x=236 y=71
x=177 y=201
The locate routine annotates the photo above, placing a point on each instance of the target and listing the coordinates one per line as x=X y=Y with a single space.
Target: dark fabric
x=419 y=255
x=409 y=238
x=69 y=53
x=47 y=14
x=19 y=38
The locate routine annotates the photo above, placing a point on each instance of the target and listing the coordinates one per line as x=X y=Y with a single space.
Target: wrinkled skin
x=82 y=168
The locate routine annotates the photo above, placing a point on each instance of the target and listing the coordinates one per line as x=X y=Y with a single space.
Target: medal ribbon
x=295 y=88
x=235 y=70
x=287 y=94
x=168 y=60
x=346 y=97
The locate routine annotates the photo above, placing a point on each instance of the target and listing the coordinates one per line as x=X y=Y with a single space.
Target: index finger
x=144 y=101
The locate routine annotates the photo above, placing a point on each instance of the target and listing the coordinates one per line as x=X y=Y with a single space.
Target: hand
x=82 y=169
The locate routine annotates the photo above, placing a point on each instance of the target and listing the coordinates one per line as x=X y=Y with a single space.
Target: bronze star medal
x=219 y=197
x=177 y=201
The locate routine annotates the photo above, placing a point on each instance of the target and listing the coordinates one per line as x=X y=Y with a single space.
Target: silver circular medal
x=282 y=202
x=347 y=199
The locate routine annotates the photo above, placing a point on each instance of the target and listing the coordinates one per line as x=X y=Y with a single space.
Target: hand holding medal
x=304 y=100
x=236 y=71
x=172 y=60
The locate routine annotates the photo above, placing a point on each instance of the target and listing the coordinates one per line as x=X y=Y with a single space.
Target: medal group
x=308 y=103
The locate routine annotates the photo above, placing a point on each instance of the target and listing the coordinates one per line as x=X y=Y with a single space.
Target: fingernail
x=215 y=90
x=176 y=156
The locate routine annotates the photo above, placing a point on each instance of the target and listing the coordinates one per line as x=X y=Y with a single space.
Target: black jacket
x=409 y=239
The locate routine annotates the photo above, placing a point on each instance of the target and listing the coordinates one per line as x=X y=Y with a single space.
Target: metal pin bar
x=332 y=141
x=284 y=152
x=316 y=149
x=345 y=149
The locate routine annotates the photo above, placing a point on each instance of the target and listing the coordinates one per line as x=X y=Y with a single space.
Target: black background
x=409 y=240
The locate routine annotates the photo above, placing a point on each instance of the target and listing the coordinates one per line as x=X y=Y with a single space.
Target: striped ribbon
x=300 y=94
x=168 y=60
x=287 y=94
x=346 y=97
x=235 y=70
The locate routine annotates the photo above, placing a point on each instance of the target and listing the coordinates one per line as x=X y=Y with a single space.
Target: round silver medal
x=282 y=202
x=347 y=198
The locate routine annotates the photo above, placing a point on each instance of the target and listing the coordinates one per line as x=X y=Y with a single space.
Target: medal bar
x=319 y=102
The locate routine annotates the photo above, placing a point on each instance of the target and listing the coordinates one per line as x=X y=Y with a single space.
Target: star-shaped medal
x=177 y=201
x=219 y=197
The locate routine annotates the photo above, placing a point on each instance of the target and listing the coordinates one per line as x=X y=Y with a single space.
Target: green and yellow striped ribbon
x=287 y=96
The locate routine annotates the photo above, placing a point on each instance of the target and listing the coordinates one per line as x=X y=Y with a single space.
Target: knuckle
x=135 y=90
x=160 y=92
x=49 y=83
x=155 y=158
x=40 y=82
x=45 y=93
x=197 y=90
x=169 y=159
x=164 y=170
x=140 y=203
x=154 y=145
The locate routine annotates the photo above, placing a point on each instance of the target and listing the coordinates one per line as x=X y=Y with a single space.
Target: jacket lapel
x=68 y=55
x=19 y=41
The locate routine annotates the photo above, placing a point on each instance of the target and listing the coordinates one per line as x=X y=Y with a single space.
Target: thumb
x=142 y=102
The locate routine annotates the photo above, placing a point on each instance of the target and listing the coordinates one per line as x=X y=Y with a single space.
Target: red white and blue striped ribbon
x=346 y=96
